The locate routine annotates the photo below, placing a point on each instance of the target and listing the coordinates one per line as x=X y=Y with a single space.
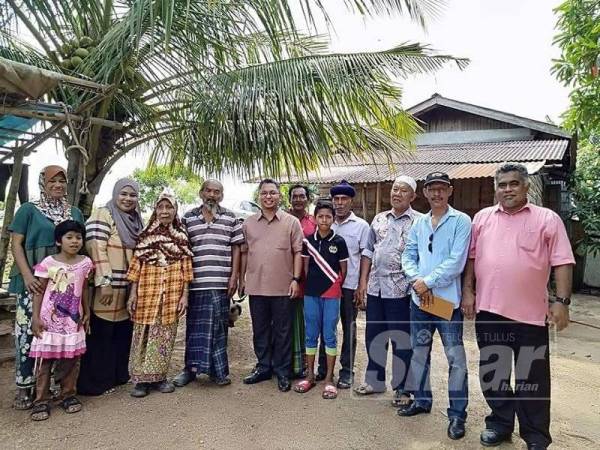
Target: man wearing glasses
x=433 y=260
x=270 y=274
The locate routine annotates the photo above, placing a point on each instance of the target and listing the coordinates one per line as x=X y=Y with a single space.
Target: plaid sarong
x=206 y=333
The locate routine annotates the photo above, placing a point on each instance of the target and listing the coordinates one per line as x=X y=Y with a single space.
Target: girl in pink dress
x=60 y=318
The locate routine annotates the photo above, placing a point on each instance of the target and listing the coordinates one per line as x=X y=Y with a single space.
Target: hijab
x=129 y=224
x=162 y=245
x=56 y=209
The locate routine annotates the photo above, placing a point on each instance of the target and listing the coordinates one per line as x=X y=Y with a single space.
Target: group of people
x=303 y=273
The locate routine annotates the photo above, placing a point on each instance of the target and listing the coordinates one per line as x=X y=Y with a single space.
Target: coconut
x=66 y=49
x=74 y=42
x=86 y=41
x=76 y=60
x=66 y=64
x=81 y=52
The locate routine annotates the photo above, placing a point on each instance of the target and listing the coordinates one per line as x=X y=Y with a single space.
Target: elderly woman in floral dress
x=160 y=271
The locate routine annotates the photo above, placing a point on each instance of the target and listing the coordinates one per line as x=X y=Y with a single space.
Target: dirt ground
x=202 y=415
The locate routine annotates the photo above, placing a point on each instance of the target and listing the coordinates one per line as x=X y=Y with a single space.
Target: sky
x=508 y=42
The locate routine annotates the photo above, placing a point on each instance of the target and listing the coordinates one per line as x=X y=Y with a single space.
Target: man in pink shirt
x=514 y=247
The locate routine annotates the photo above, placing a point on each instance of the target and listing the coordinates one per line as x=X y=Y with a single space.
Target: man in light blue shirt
x=433 y=260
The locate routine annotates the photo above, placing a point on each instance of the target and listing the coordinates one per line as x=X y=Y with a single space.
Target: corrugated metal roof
x=379 y=173
x=481 y=152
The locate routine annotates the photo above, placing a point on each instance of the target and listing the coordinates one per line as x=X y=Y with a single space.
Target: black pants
x=272 y=333
x=348 y=314
x=105 y=364
x=500 y=340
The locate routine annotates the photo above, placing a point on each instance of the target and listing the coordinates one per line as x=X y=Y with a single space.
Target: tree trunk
x=9 y=209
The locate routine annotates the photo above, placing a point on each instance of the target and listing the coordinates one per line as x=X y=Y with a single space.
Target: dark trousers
x=105 y=364
x=272 y=333
x=348 y=314
x=422 y=328
x=500 y=340
x=388 y=319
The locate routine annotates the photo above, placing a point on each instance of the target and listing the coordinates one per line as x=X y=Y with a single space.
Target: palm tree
x=219 y=85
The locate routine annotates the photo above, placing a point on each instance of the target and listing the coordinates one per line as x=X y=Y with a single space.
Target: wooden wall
x=470 y=195
x=447 y=119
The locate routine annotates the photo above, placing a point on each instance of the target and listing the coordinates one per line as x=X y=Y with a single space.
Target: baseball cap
x=437 y=177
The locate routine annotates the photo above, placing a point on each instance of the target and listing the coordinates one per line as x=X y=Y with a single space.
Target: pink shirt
x=308 y=224
x=513 y=255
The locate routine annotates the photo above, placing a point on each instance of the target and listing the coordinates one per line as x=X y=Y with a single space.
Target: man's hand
x=106 y=295
x=359 y=298
x=294 y=291
x=241 y=290
x=232 y=286
x=182 y=305
x=426 y=298
x=38 y=327
x=33 y=285
x=558 y=315
x=420 y=287
x=467 y=304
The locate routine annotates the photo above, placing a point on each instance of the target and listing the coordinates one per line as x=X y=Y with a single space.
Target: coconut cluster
x=75 y=51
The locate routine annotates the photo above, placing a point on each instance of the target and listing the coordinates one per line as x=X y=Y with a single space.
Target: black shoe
x=535 y=446
x=140 y=390
x=344 y=383
x=412 y=410
x=320 y=376
x=185 y=377
x=283 y=384
x=456 y=428
x=256 y=377
x=166 y=387
x=492 y=438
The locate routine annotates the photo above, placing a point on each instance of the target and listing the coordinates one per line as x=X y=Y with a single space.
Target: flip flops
x=40 y=411
x=329 y=392
x=302 y=387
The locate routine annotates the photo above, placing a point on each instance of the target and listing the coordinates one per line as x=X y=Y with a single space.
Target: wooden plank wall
x=446 y=119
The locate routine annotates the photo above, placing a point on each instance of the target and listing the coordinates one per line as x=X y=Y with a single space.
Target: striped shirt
x=211 y=245
x=111 y=260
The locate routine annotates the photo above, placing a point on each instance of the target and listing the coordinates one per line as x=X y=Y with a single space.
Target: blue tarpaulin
x=11 y=127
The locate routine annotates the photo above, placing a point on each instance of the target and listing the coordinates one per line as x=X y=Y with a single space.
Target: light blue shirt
x=442 y=267
x=355 y=232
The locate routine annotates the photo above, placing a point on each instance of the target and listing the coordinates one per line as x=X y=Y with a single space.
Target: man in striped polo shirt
x=216 y=236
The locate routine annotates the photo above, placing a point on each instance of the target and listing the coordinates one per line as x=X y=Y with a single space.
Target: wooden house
x=468 y=142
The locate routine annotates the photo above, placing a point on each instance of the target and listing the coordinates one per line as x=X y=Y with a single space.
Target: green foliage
x=154 y=179
x=579 y=64
x=578 y=67
x=242 y=86
x=587 y=195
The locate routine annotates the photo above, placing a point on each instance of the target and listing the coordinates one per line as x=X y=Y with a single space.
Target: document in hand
x=440 y=308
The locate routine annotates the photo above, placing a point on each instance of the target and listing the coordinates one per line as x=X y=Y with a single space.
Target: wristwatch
x=296 y=279
x=565 y=301
x=106 y=281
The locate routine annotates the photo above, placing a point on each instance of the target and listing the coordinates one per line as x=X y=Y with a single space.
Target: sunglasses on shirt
x=430 y=246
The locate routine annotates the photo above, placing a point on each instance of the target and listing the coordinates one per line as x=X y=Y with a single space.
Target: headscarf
x=162 y=245
x=129 y=224
x=56 y=209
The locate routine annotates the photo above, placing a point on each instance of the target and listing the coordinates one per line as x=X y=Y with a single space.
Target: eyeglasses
x=271 y=193
x=430 y=246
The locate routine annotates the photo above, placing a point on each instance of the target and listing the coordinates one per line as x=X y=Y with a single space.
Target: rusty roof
x=460 y=161
x=373 y=173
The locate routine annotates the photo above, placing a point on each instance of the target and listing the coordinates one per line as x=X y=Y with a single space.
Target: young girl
x=325 y=262
x=60 y=318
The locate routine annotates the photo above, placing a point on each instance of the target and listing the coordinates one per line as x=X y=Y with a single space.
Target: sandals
x=71 y=405
x=23 y=400
x=302 y=387
x=329 y=392
x=366 y=389
x=40 y=411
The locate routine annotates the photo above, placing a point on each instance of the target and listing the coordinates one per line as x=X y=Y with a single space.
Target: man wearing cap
x=355 y=232
x=433 y=260
x=388 y=293
x=514 y=247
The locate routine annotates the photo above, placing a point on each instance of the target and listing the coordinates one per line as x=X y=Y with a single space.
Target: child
x=60 y=318
x=325 y=261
